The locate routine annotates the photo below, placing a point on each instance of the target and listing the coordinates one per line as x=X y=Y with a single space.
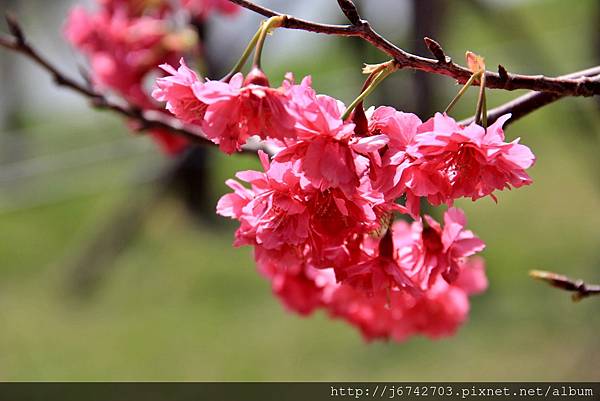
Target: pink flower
x=396 y=315
x=329 y=154
x=426 y=251
x=319 y=215
x=278 y=212
x=377 y=271
x=450 y=161
x=381 y=312
x=472 y=277
x=370 y=314
x=171 y=144
x=318 y=115
x=445 y=306
x=410 y=257
x=125 y=41
x=203 y=8
x=297 y=292
x=135 y=8
x=437 y=314
x=299 y=287
x=237 y=110
x=177 y=90
x=122 y=50
x=79 y=30
x=272 y=213
x=399 y=127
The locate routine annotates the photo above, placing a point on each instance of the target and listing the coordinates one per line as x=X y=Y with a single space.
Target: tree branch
x=532 y=101
x=145 y=119
x=582 y=86
x=153 y=119
x=579 y=288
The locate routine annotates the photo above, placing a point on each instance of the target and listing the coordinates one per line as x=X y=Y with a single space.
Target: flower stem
x=240 y=63
x=462 y=91
x=263 y=31
x=260 y=35
x=481 y=111
x=377 y=76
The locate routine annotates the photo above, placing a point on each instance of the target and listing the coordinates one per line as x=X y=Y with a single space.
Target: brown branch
x=152 y=119
x=579 y=288
x=582 y=86
x=98 y=100
x=145 y=119
x=532 y=101
x=350 y=11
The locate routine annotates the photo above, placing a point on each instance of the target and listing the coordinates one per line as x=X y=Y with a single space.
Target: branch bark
x=532 y=101
x=151 y=119
x=579 y=288
x=582 y=86
x=144 y=119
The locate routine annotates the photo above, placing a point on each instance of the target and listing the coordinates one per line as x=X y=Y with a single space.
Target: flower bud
x=257 y=77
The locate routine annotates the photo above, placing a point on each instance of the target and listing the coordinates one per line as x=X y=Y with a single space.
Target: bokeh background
x=103 y=275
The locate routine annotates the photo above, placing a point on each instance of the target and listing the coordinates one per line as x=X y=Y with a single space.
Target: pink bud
x=257 y=77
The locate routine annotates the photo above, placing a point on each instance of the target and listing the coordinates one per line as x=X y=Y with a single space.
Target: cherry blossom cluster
x=335 y=217
x=125 y=41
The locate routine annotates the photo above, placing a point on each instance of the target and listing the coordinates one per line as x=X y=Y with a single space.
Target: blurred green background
x=180 y=303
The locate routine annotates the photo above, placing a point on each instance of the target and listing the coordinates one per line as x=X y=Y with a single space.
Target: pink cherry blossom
x=410 y=257
x=370 y=314
x=122 y=50
x=472 y=278
x=400 y=128
x=238 y=110
x=278 y=212
x=125 y=41
x=397 y=315
x=425 y=250
x=272 y=213
x=300 y=287
x=329 y=155
x=135 y=8
x=377 y=271
x=171 y=144
x=450 y=161
x=437 y=314
x=413 y=281
x=203 y=8
x=177 y=90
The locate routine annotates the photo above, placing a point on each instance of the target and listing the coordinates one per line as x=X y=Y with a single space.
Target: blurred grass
x=181 y=303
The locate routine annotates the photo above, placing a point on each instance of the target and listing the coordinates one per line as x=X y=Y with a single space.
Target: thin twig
x=532 y=101
x=145 y=119
x=579 y=288
x=572 y=87
x=151 y=119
